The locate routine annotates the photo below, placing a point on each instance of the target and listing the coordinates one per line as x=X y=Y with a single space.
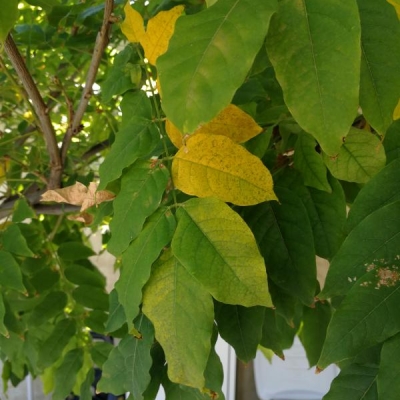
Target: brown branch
x=99 y=47
x=40 y=109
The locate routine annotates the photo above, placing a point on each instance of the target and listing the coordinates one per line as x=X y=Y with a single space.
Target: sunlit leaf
x=359 y=159
x=8 y=17
x=213 y=165
x=198 y=84
x=216 y=246
x=180 y=309
x=133 y=25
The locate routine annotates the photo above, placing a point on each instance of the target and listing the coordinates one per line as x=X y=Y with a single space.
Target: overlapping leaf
x=3 y=328
x=8 y=17
x=199 y=83
x=10 y=272
x=142 y=187
x=380 y=62
x=392 y=142
x=181 y=309
x=155 y=38
x=396 y=4
x=14 y=242
x=213 y=165
x=359 y=159
x=139 y=257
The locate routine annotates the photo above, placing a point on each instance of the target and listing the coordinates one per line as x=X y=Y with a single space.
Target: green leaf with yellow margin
x=8 y=17
x=396 y=113
x=231 y=122
x=156 y=38
x=180 y=309
x=396 y=4
x=217 y=247
x=214 y=165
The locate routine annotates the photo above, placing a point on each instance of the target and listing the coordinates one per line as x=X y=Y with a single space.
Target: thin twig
x=41 y=111
x=99 y=47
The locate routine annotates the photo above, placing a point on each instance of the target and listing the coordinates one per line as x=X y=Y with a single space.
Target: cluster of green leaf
x=235 y=135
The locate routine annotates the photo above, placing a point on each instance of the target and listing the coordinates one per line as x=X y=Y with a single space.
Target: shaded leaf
x=241 y=327
x=81 y=275
x=356 y=382
x=3 y=328
x=216 y=246
x=180 y=309
x=116 y=317
x=100 y=352
x=271 y=336
x=285 y=238
x=138 y=259
x=197 y=85
x=317 y=69
x=128 y=365
x=396 y=112
x=73 y=251
x=380 y=62
x=359 y=159
x=14 y=242
x=310 y=163
x=392 y=142
x=371 y=305
x=51 y=305
x=213 y=165
x=396 y=4
x=91 y=297
x=142 y=188
x=10 y=272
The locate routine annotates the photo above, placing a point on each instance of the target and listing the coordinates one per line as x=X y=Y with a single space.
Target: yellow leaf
x=396 y=114
x=396 y=4
x=132 y=26
x=213 y=165
x=231 y=122
x=159 y=30
x=78 y=195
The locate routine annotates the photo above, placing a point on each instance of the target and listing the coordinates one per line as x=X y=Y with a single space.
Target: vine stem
x=41 y=111
x=99 y=47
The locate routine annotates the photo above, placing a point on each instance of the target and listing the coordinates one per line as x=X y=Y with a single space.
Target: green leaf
x=22 y=211
x=51 y=305
x=392 y=142
x=375 y=239
x=10 y=272
x=142 y=188
x=310 y=163
x=14 y=242
x=284 y=235
x=8 y=17
x=388 y=376
x=380 y=62
x=85 y=392
x=139 y=257
x=313 y=331
x=127 y=368
x=367 y=315
x=198 y=84
x=271 y=336
x=73 y=251
x=241 y=327
x=52 y=348
x=382 y=189
x=156 y=372
x=181 y=309
x=315 y=50
x=216 y=246
x=91 y=297
x=116 y=317
x=136 y=138
x=356 y=382
x=3 y=328
x=359 y=159
x=81 y=275
x=100 y=352
x=45 y=4
x=65 y=375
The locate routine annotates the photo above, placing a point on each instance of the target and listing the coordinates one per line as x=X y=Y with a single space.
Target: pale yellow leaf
x=132 y=26
x=174 y=134
x=214 y=165
x=396 y=114
x=159 y=32
x=396 y=4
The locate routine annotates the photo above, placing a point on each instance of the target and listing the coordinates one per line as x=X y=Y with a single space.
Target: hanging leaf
x=159 y=30
x=213 y=165
x=241 y=327
x=128 y=365
x=142 y=187
x=318 y=71
x=74 y=251
x=91 y=297
x=372 y=305
x=271 y=337
x=310 y=163
x=375 y=239
x=359 y=159
x=14 y=242
x=3 y=328
x=8 y=17
x=198 y=84
x=116 y=317
x=10 y=272
x=180 y=309
x=380 y=62
x=231 y=122
x=208 y=234
x=355 y=382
